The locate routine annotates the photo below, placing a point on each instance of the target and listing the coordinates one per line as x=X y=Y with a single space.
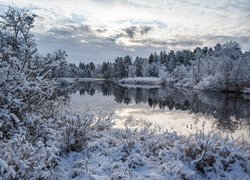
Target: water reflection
x=231 y=111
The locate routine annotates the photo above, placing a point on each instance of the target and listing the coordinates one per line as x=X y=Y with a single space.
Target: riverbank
x=146 y=154
x=156 y=82
x=185 y=83
x=141 y=81
x=73 y=80
x=84 y=145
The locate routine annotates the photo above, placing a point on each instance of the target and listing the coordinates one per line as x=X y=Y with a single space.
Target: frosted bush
x=209 y=83
x=76 y=131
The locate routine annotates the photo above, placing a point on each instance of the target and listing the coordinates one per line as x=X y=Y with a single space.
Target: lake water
x=184 y=111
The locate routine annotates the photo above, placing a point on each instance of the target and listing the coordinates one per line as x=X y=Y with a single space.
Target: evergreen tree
x=151 y=58
x=119 y=68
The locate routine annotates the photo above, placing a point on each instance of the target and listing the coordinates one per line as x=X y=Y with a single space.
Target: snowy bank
x=73 y=80
x=88 y=79
x=141 y=81
x=129 y=154
x=86 y=146
x=144 y=86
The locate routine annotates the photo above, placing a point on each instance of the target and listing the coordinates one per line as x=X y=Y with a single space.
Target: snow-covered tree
x=26 y=99
x=138 y=64
x=153 y=69
x=145 y=68
x=107 y=70
x=24 y=73
x=119 y=70
x=132 y=71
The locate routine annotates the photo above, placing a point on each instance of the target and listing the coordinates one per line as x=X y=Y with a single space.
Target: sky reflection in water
x=181 y=110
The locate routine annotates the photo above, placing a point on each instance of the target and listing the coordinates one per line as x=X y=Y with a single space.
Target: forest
x=222 y=68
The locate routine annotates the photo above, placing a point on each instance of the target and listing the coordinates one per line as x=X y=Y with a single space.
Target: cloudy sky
x=98 y=30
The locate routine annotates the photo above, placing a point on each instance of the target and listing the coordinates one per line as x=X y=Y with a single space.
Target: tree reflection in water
x=231 y=111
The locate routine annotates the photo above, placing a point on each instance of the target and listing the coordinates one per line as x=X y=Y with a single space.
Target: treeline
x=222 y=68
x=124 y=67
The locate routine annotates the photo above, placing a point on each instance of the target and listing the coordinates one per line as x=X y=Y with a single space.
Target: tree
x=171 y=61
x=15 y=31
x=107 y=70
x=27 y=100
x=163 y=57
x=119 y=68
x=151 y=58
x=138 y=64
x=127 y=62
x=24 y=73
x=153 y=69
x=145 y=69
x=132 y=71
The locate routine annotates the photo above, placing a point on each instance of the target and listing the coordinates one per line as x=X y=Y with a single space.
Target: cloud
x=101 y=30
x=244 y=41
x=130 y=31
x=133 y=31
x=145 y=29
x=73 y=32
x=120 y=26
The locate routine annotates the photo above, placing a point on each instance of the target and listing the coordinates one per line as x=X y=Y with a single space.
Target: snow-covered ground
x=144 y=86
x=87 y=146
x=127 y=154
x=141 y=81
x=89 y=79
x=72 y=80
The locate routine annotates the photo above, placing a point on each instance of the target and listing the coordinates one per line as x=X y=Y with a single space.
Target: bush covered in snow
x=145 y=154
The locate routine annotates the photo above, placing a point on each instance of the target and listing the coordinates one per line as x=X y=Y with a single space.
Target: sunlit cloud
x=118 y=27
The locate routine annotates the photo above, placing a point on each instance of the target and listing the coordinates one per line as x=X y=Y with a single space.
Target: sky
x=101 y=30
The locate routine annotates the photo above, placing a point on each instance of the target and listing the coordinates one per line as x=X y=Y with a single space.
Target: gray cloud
x=101 y=30
x=82 y=28
x=71 y=31
x=145 y=29
x=132 y=31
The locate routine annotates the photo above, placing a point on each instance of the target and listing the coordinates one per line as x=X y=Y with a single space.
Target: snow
x=144 y=86
x=246 y=91
x=141 y=81
x=68 y=80
x=14 y=117
x=85 y=145
x=89 y=79
x=73 y=81
x=144 y=154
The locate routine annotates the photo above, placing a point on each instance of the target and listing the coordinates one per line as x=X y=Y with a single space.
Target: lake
x=184 y=111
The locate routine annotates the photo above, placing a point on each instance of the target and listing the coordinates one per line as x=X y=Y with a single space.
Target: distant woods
x=221 y=68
